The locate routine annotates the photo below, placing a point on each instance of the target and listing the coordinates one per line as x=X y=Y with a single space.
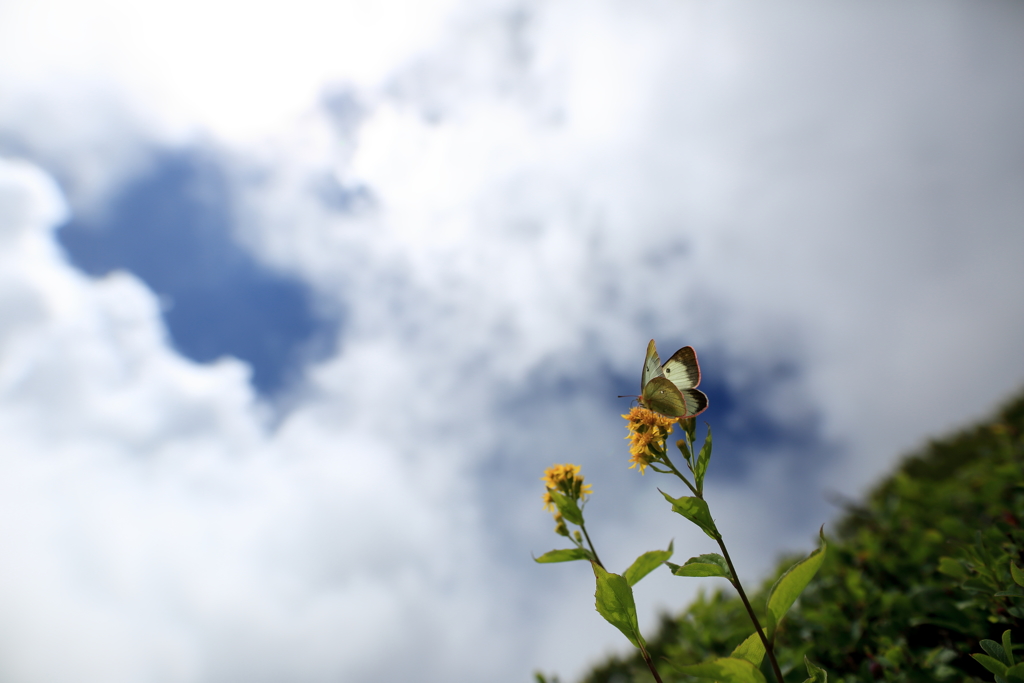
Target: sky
x=297 y=302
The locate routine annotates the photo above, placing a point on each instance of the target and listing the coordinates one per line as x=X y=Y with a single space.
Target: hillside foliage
x=915 y=577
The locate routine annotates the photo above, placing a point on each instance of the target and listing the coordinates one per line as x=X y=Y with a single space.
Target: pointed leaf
x=992 y=664
x=711 y=564
x=695 y=510
x=789 y=586
x=1017 y=573
x=815 y=672
x=567 y=506
x=1014 y=592
x=953 y=567
x=564 y=555
x=1015 y=674
x=645 y=564
x=726 y=670
x=994 y=649
x=1008 y=648
x=703 y=458
x=751 y=649
x=614 y=599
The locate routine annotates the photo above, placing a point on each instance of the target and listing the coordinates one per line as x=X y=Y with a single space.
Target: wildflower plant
x=648 y=433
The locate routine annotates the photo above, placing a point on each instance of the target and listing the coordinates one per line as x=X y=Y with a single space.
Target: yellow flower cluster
x=565 y=479
x=648 y=431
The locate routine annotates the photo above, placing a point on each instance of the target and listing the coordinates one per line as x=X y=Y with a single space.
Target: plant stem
x=679 y=474
x=591 y=544
x=650 y=664
x=698 y=491
x=769 y=650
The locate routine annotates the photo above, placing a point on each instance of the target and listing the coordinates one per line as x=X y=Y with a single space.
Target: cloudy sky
x=298 y=300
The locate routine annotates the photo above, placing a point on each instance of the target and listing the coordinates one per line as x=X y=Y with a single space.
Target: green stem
x=650 y=663
x=681 y=476
x=692 y=463
x=769 y=650
x=699 y=493
x=591 y=544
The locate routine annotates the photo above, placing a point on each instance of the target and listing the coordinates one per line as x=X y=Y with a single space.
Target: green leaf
x=726 y=670
x=953 y=567
x=564 y=555
x=711 y=564
x=689 y=426
x=994 y=649
x=645 y=564
x=1014 y=592
x=992 y=664
x=751 y=649
x=695 y=510
x=567 y=506
x=816 y=673
x=1007 y=648
x=1017 y=573
x=789 y=586
x=976 y=585
x=1015 y=674
x=615 y=603
x=702 y=461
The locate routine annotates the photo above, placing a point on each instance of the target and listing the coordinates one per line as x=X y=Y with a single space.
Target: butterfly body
x=671 y=389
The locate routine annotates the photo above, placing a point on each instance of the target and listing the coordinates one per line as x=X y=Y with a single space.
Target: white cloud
x=767 y=182
x=153 y=527
x=829 y=187
x=238 y=69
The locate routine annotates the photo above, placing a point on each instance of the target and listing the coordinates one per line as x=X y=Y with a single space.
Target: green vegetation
x=914 y=580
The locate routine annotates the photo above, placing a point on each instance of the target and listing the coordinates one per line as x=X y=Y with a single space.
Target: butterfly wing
x=682 y=368
x=695 y=400
x=661 y=396
x=652 y=366
x=670 y=389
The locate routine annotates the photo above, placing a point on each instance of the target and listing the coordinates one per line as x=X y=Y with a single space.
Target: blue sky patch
x=172 y=227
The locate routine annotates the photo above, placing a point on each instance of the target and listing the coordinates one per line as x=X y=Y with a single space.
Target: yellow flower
x=647 y=433
x=565 y=479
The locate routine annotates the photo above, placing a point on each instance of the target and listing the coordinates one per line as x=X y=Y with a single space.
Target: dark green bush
x=915 y=576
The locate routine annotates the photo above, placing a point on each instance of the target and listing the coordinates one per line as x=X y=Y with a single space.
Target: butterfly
x=671 y=389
